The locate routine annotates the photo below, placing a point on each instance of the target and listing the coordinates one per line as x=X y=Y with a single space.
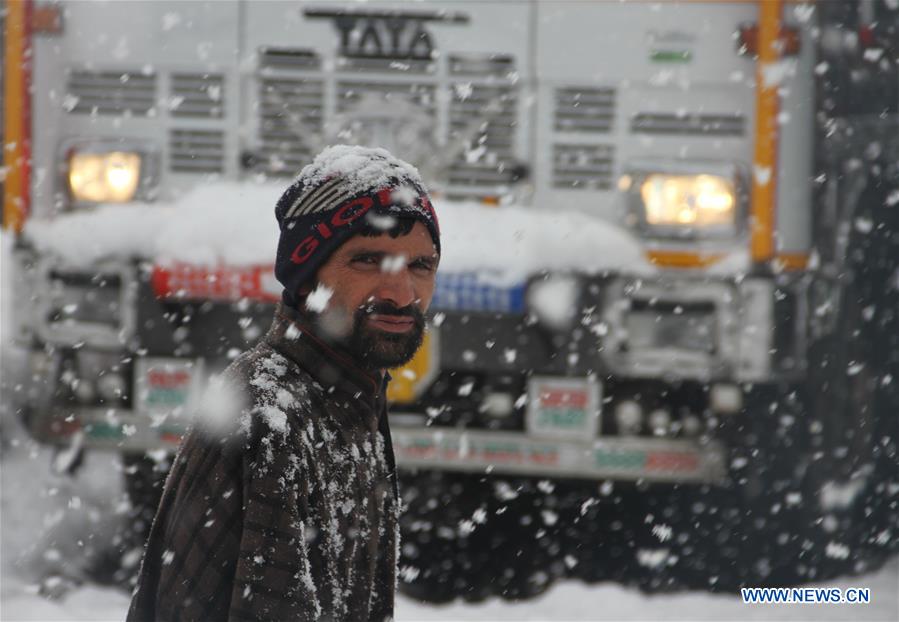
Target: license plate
x=167 y=386
x=564 y=407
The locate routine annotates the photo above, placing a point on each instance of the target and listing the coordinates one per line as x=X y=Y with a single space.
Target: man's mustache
x=385 y=308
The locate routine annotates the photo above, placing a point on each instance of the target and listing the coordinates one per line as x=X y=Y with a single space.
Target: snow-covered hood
x=233 y=223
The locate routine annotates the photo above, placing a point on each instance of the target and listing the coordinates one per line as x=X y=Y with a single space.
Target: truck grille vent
x=197 y=95
x=582 y=167
x=289 y=59
x=694 y=124
x=110 y=92
x=482 y=65
x=196 y=151
x=290 y=125
x=399 y=65
x=484 y=118
x=351 y=94
x=584 y=109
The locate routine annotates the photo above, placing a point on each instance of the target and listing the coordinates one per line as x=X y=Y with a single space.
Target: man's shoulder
x=261 y=393
x=271 y=387
x=262 y=367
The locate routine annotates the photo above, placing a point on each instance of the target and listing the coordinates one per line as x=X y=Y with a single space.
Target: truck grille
x=291 y=122
x=482 y=65
x=350 y=93
x=196 y=151
x=482 y=108
x=198 y=95
x=288 y=59
x=290 y=108
x=582 y=167
x=584 y=109
x=111 y=92
x=399 y=65
x=484 y=115
x=689 y=124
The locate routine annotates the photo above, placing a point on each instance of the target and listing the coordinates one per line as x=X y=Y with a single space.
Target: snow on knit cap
x=341 y=191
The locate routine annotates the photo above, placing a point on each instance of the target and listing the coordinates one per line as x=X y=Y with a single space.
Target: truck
x=667 y=302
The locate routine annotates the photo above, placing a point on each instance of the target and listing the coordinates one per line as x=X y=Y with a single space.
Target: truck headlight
x=698 y=200
x=108 y=171
x=104 y=177
x=681 y=199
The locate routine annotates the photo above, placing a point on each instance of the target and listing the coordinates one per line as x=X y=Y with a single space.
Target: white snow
x=382 y=222
x=836 y=495
x=774 y=74
x=662 y=532
x=220 y=408
x=273 y=399
x=554 y=300
x=571 y=600
x=275 y=418
x=513 y=241
x=48 y=524
x=363 y=167
x=392 y=264
x=762 y=174
x=221 y=222
x=317 y=301
x=804 y=12
x=226 y=222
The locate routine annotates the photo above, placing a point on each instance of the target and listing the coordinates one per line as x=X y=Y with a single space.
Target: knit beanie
x=343 y=190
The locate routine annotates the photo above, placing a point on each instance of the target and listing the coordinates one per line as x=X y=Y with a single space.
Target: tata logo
x=386 y=34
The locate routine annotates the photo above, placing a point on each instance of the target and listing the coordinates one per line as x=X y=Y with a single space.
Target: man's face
x=380 y=289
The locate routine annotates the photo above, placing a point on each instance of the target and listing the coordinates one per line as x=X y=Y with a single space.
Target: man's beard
x=378 y=349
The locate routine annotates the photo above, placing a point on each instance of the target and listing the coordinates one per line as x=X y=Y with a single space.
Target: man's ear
x=298 y=298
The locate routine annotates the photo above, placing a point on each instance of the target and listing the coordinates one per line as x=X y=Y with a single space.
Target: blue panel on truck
x=468 y=291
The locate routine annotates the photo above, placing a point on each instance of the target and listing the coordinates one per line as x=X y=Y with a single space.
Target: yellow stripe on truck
x=682 y=259
x=764 y=174
x=17 y=115
x=791 y=262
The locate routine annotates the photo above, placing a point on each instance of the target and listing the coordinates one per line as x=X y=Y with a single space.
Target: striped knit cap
x=344 y=189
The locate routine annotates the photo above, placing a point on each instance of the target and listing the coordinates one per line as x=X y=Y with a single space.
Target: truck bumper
x=660 y=460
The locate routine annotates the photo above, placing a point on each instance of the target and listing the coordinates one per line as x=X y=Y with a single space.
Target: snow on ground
x=39 y=516
x=571 y=600
x=234 y=223
x=48 y=526
x=88 y=603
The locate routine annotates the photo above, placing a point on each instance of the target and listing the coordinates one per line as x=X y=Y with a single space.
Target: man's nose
x=396 y=288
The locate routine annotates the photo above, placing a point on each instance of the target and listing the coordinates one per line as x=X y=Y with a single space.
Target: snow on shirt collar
x=292 y=334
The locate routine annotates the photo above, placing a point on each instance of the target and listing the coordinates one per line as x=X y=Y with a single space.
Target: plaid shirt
x=291 y=515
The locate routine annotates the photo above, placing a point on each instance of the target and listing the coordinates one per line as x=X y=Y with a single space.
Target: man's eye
x=422 y=266
x=368 y=260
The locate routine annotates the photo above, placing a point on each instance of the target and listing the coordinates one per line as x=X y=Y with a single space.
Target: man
x=282 y=501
